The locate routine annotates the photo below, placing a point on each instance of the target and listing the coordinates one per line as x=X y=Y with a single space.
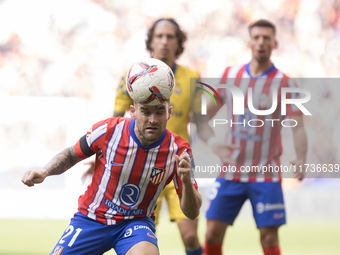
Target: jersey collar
x=134 y=137
x=174 y=68
x=271 y=69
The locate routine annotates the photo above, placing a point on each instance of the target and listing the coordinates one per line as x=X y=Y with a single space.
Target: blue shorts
x=87 y=236
x=227 y=197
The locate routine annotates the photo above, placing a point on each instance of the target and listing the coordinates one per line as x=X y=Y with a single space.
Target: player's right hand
x=183 y=167
x=223 y=151
x=32 y=177
x=301 y=168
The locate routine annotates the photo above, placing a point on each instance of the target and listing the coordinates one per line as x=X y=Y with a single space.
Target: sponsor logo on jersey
x=157 y=175
x=148 y=234
x=57 y=250
x=129 y=194
x=278 y=216
x=246 y=136
x=128 y=232
x=260 y=207
x=177 y=113
x=141 y=227
x=122 y=210
x=116 y=164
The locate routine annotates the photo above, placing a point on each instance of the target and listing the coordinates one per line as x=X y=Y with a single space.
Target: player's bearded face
x=262 y=42
x=150 y=121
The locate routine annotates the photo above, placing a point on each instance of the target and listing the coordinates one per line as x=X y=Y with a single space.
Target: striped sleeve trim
x=92 y=136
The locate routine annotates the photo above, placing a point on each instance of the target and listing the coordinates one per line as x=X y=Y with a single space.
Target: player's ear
x=133 y=111
x=276 y=46
x=169 y=111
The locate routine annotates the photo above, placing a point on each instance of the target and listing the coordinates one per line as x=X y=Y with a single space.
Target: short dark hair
x=181 y=36
x=136 y=104
x=262 y=23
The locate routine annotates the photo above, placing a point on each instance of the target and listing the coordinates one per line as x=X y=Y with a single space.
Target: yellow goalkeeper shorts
x=175 y=211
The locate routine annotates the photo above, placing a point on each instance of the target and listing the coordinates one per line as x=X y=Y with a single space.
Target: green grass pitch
x=28 y=237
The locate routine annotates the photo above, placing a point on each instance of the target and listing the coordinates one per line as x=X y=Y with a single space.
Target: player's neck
x=256 y=68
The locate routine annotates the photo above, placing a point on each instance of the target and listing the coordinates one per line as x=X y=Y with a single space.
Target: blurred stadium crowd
x=80 y=48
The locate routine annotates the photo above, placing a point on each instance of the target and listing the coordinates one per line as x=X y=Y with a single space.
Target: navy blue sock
x=198 y=251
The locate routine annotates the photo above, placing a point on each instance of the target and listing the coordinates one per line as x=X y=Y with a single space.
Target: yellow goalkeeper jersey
x=180 y=100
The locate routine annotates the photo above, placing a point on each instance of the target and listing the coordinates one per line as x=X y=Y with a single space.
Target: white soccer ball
x=150 y=82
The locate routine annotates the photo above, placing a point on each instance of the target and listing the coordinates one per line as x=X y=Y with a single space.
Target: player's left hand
x=300 y=168
x=183 y=167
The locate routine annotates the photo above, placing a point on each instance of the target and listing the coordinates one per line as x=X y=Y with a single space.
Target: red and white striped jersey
x=128 y=177
x=259 y=146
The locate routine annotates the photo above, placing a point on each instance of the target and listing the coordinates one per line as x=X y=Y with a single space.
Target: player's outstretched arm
x=191 y=199
x=212 y=109
x=57 y=165
x=206 y=133
x=203 y=128
x=300 y=144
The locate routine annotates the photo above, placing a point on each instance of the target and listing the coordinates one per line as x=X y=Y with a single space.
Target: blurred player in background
x=165 y=41
x=256 y=146
x=115 y=210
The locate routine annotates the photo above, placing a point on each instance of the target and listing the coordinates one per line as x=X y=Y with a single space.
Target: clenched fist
x=183 y=167
x=32 y=177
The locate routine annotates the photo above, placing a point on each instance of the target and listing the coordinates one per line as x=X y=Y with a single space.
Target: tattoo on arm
x=62 y=161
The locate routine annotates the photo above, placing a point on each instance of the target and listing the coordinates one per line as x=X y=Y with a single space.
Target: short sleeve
x=195 y=95
x=93 y=141
x=123 y=100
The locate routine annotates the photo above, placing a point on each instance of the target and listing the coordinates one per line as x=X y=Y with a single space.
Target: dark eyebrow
x=161 y=107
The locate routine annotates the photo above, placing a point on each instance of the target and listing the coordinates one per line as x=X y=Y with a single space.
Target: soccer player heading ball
x=165 y=41
x=150 y=82
x=135 y=159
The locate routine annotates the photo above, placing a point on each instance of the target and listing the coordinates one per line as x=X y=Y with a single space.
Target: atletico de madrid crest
x=57 y=250
x=157 y=175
